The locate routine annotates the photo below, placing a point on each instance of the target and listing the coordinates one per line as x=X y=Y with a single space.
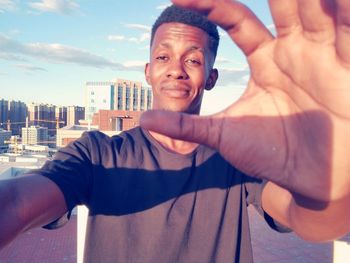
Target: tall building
x=98 y=96
x=4 y=110
x=119 y=94
x=12 y=115
x=17 y=115
x=35 y=135
x=74 y=114
x=61 y=116
x=5 y=137
x=43 y=115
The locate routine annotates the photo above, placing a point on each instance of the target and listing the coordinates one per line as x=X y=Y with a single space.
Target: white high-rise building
x=118 y=94
x=35 y=135
x=97 y=97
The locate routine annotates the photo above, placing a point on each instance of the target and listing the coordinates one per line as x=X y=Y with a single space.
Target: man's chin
x=178 y=109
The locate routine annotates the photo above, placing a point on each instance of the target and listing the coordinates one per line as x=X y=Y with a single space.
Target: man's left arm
x=310 y=219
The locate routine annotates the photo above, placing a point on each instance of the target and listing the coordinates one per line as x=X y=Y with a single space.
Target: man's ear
x=211 y=81
x=147 y=74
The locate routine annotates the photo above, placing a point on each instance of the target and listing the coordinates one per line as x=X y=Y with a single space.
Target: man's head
x=174 y=14
x=183 y=49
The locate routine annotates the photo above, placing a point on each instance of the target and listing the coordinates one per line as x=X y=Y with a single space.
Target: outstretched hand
x=292 y=125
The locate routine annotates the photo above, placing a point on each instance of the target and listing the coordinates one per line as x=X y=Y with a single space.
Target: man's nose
x=176 y=70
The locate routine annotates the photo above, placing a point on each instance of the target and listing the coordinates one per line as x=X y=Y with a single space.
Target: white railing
x=82 y=215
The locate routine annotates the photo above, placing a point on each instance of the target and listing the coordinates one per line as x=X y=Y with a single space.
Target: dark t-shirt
x=148 y=204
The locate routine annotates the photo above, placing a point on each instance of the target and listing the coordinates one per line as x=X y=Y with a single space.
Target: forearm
x=27 y=202
x=311 y=220
x=316 y=221
x=10 y=225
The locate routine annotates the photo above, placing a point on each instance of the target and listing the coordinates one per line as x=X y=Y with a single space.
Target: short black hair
x=175 y=14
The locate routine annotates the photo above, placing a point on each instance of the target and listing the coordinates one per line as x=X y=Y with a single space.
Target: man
x=159 y=198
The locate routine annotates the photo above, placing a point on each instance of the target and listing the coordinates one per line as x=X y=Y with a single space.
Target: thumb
x=203 y=130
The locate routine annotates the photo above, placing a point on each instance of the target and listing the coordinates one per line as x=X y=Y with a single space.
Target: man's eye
x=193 y=61
x=162 y=58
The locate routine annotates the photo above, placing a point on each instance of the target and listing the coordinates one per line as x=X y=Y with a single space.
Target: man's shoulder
x=134 y=133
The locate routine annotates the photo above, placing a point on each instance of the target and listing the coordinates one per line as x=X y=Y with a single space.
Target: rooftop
x=56 y=246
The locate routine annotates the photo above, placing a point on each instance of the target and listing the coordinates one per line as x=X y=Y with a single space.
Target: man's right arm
x=27 y=202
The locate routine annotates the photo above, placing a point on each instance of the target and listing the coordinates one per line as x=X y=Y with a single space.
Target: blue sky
x=50 y=48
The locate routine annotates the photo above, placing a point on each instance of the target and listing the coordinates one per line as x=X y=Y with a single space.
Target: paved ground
x=57 y=246
x=43 y=246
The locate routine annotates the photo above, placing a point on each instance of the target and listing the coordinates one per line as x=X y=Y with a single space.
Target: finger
x=241 y=24
x=317 y=19
x=203 y=130
x=343 y=30
x=285 y=15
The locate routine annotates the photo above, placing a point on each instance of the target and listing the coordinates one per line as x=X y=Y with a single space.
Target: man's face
x=180 y=68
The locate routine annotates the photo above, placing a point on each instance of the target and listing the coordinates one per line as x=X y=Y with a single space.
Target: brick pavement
x=270 y=246
x=57 y=246
x=43 y=246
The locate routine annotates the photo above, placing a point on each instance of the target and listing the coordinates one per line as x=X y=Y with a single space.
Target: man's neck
x=174 y=145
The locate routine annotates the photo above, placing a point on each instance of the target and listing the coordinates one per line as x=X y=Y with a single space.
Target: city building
x=118 y=94
x=98 y=95
x=61 y=116
x=35 y=135
x=17 y=115
x=116 y=120
x=43 y=115
x=4 y=110
x=12 y=115
x=68 y=134
x=5 y=137
x=74 y=115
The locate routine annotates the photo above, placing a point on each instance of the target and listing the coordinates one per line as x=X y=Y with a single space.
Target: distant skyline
x=50 y=48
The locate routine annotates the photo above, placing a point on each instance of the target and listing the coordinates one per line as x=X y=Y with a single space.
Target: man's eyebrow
x=196 y=48
x=191 y=48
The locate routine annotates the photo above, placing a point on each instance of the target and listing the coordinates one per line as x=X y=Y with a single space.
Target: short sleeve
x=254 y=188
x=71 y=169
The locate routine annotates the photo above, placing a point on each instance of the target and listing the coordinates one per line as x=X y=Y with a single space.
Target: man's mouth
x=176 y=91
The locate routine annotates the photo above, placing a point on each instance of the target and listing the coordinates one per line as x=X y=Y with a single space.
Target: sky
x=50 y=48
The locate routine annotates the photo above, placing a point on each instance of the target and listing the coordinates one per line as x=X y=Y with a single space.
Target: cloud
x=223 y=33
x=222 y=60
x=116 y=37
x=58 y=53
x=135 y=64
x=7 y=5
x=163 y=6
x=138 y=40
x=139 y=26
x=272 y=28
x=228 y=76
x=55 y=6
x=10 y=57
x=27 y=67
x=143 y=37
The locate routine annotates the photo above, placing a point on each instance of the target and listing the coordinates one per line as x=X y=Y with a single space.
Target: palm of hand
x=292 y=112
x=292 y=123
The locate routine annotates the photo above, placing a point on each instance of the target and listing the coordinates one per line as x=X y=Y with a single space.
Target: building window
x=142 y=102
x=127 y=98
x=120 y=97
x=135 y=99
x=149 y=99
